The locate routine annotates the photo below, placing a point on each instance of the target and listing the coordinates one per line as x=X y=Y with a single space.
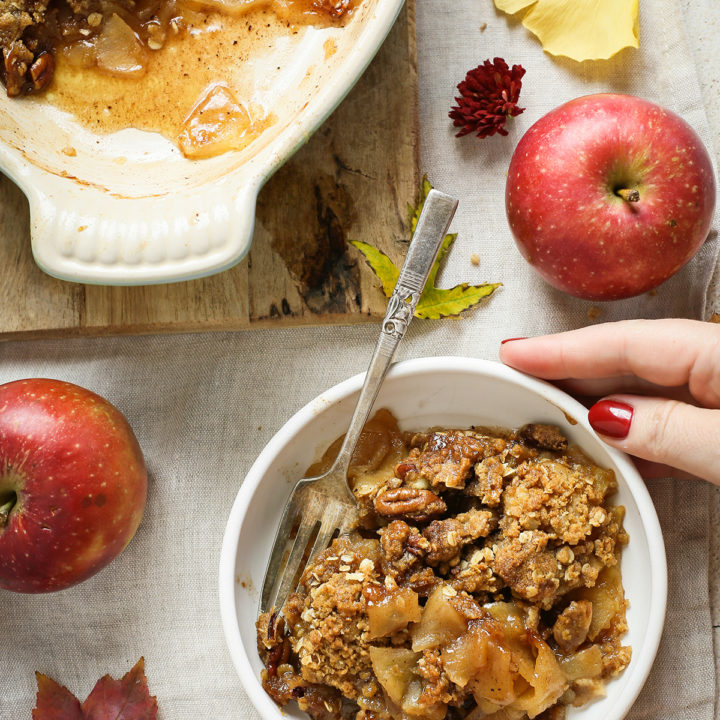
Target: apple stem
x=5 y=511
x=628 y=195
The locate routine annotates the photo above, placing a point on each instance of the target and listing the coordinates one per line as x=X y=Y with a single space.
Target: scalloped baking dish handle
x=82 y=233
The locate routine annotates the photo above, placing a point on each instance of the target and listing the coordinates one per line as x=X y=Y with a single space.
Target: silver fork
x=322 y=506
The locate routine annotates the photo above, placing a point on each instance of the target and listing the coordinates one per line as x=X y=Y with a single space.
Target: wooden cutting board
x=353 y=180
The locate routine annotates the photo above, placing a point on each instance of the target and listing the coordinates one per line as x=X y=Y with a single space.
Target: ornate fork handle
x=431 y=227
x=402 y=304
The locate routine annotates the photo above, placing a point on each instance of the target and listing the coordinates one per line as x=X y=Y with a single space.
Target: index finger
x=665 y=352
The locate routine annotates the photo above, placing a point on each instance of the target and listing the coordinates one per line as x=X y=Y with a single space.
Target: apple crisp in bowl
x=490 y=575
x=482 y=582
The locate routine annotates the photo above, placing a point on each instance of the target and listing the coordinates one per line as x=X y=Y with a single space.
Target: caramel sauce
x=380 y=447
x=193 y=89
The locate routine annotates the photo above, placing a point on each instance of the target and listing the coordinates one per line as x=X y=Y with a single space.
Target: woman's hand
x=661 y=379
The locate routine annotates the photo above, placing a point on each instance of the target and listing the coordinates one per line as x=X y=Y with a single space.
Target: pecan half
x=403 y=468
x=23 y=71
x=410 y=503
x=42 y=70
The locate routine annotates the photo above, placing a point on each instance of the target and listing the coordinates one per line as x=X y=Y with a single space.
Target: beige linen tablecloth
x=203 y=406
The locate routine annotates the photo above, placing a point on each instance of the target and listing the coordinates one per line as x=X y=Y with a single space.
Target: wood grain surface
x=352 y=180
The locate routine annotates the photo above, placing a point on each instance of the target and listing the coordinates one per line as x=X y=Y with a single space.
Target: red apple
x=609 y=195
x=72 y=484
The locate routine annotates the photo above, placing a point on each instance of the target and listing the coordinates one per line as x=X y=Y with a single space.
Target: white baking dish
x=129 y=209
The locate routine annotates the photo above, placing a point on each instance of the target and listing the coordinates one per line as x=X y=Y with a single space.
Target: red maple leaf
x=124 y=699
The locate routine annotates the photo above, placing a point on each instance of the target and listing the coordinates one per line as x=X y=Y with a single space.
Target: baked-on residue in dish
x=154 y=64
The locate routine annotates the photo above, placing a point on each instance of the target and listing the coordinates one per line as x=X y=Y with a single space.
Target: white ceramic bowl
x=449 y=392
x=130 y=209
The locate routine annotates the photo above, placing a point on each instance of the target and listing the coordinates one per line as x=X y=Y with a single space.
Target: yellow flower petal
x=580 y=29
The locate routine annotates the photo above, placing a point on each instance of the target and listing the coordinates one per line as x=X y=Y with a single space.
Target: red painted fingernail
x=502 y=342
x=611 y=418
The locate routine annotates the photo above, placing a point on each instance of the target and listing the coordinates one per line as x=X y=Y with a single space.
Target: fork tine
x=331 y=521
x=288 y=553
x=280 y=546
x=288 y=581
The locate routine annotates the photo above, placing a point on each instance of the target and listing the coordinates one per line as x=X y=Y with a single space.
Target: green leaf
x=448 y=240
x=381 y=265
x=434 y=302
x=414 y=212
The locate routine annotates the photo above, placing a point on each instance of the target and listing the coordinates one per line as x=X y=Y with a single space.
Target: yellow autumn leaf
x=442 y=302
x=434 y=302
x=513 y=6
x=381 y=265
x=579 y=29
x=425 y=188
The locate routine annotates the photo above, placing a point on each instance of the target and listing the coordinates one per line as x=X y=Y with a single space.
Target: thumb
x=662 y=431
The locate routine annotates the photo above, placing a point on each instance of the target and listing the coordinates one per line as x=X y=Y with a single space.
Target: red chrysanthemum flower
x=488 y=97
